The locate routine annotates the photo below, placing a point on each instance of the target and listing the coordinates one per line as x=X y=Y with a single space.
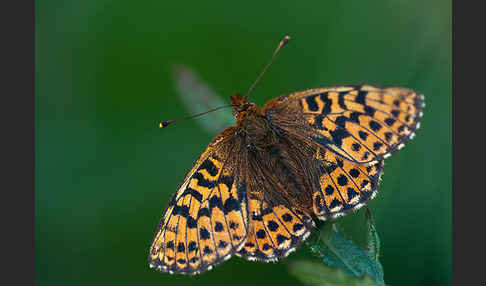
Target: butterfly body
x=251 y=122
x=254 y=190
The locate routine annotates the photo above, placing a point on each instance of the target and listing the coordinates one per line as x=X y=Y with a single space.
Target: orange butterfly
x=255 y=189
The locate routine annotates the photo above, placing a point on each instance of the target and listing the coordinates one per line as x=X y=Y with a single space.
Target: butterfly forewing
x=207 y=218
x=360 y=123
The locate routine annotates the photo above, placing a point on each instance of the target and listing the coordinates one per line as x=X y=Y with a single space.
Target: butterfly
x=257 y=188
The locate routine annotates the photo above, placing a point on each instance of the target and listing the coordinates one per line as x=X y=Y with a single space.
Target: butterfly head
x=241 y=105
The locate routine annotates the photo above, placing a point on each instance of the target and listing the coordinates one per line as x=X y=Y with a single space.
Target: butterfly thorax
x=252 y=123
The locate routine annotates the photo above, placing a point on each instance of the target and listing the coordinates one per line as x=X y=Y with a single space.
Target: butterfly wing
x=275 y=231
x=206 y=220
x=363 y=124
x=277 y=224
x=342 y=186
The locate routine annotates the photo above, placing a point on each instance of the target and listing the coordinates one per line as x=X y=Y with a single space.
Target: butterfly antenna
x=280 y=45
x=163 y=124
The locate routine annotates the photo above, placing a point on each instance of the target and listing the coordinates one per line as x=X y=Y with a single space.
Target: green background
x=104 y=173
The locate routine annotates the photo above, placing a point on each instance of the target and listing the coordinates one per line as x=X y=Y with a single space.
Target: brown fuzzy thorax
x=251 y=121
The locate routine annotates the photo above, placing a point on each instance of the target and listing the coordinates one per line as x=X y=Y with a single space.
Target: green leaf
x=373 y=240
x=339 y=252
x=199 y=97
x=316 y=274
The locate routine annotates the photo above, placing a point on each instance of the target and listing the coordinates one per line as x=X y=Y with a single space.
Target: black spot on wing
x=231 y=204
x=261 y=234
x=341 y=102
x=329 y=190
x=389 y=121
x=190 y=191
x=369 y=110
x=181 y=210
x=287 y=217
x=222 y=244
x=364 y=183
x=218 y=227
x=354 y=117
x=209 y=167
x=181 y=247
x=249 y=244
x=338 y=135
x=203 y=212
x=194 y=259
x=342 y=180
x=215 y=201
x=361 y=97
x=351 y=193
x=297 y=227
x=233 y=225
x=375 y=126
x=281 y=239
x=191 y=246
x=363 y=135
x=341 y=121
x=327 y=103
x=170 y=245
x=207 y=250
x=272 y=225
x=227 y=180
x=377 y=146
x=257 y=217
x=311 y=103
x=191 y=222
x=354 y=173
x=201 y=181
x=204 y=233
x=335 y=203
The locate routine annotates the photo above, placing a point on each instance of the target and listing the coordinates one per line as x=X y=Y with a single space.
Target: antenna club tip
x=286 y=39
x=163 y=124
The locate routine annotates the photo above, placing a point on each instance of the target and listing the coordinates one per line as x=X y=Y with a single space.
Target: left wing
x=207 y=218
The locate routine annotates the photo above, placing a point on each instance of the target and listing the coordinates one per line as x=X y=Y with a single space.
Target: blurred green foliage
x=104 y=173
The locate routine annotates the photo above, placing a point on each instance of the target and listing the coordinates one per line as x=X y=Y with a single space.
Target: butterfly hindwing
x=343 y=186
x=276 y=186
x=207 y=218
x=333 y=186
x=275 y=231
x=360 y=123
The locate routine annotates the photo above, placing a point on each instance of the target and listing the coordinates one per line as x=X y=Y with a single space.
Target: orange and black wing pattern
x=206 y=220
x=361 y=123
x=274 y=232
x=342 y=186
x=278 y=223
